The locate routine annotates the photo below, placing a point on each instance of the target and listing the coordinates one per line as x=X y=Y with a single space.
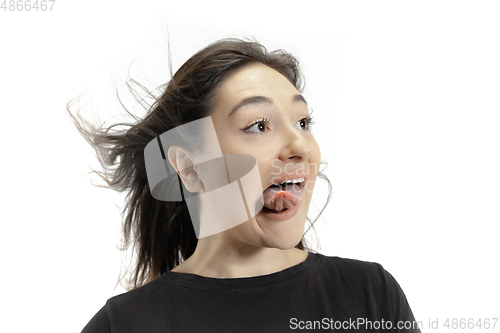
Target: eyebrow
x=262 y=100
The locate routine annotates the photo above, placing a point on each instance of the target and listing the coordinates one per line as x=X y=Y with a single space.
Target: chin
x=260 y=232
x=284 y=240
x=283 y=235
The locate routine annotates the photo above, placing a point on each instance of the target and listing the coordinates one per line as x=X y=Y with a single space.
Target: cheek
x=315 y=146
x=265 y=165
x=315 y=158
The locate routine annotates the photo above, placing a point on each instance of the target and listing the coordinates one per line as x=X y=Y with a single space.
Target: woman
x=234 y=128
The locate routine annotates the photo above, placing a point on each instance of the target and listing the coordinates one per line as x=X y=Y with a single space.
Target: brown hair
x=161 y=233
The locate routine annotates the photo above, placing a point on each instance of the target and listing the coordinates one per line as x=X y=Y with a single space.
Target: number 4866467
x=470 y=323
x=27 y=5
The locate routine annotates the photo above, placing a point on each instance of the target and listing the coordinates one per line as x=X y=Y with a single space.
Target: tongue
x=279 y=198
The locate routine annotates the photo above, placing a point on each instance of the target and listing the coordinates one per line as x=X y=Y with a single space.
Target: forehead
x=255 y=79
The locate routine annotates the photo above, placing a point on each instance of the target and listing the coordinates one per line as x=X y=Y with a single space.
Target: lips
x=286 y=177
x=281 y=216
x=282 y=197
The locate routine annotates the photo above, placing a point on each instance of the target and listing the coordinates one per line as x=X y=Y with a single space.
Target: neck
x=220 y=257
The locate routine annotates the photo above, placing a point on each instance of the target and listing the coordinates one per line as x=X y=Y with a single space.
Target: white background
x=407 y=108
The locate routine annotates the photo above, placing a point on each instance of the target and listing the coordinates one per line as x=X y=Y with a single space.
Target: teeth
x=291 y=181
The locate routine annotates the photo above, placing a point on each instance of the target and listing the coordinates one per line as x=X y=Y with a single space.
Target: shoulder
x=141 y=298
x=356 y=270
x=98 y=323
x=368 y=282
x=121 y=312
x=358 y=276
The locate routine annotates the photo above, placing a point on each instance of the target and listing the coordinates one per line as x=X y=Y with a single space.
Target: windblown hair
x=161 y=233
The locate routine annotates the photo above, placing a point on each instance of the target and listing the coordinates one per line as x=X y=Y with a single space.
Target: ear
x=184 y=165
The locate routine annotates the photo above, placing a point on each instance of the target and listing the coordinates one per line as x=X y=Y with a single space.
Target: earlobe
x=185 y=167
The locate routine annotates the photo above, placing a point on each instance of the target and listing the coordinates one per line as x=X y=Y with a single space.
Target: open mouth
x=283 y=196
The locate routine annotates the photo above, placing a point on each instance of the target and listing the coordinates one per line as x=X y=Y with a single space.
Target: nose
x=296 y=148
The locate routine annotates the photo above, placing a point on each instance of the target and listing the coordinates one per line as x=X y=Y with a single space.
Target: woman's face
x=258 y=112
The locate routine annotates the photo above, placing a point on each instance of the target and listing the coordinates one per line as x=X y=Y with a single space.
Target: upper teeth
x=294 y=181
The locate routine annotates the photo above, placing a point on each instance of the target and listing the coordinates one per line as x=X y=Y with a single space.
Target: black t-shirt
x=319 y=294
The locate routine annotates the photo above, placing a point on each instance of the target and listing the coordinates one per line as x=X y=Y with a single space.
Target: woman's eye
x=303 y=124
x=261 y=126
x=258 y=127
